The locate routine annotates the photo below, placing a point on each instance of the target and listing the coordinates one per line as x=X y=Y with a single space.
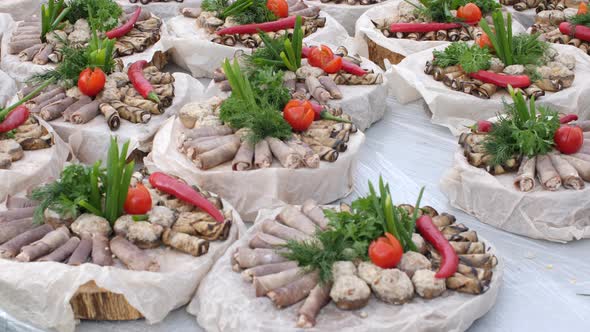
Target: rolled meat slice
x=101 y=252
x=54 y=110
x=568 y=173
x=582 y=166
x=284 y=232
x=11 y=229
x=315 y=213
x=318 y=298
x=206 y=132
x=547 y=174
x=85 y=113
x=16 y=214
x=28 y=53
x=63 y=252
x=75 y=106
x=47 y=95
x=295 y=291
x=13 y=247
x=332 y=88
x=286 y=156
x=47 y=244
x=525 y=179
x=82 y=252
x=196 y=147
x=134 y=258
x=310 y=159
x=248 y=258
x=243 y=158
x=266 y=269
x=582 y=156
x=111 y=115
x=292 y=217
x=217 y=156
x=262 y=155
x=263 y=240
x=265 y=284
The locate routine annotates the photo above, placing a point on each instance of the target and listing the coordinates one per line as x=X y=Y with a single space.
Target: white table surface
x=542 y=279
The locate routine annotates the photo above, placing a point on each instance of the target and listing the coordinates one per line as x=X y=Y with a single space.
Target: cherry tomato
x=470 y=12
x=484 y=41
x=386 y=252
x=569 y=139
x=279 y=7
x=582 y=9
x=299 y=114
x=91 y=82
x=138 y=201
x=333 y=66
x=320 y=56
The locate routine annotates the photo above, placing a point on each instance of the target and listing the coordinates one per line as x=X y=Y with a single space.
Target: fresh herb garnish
x=471 y=58
x=281 y=52
x=524 y=130
x=486 y=6
x=52 y=15
x=349 y=234
x=580 y=19
x=105 y=13
x=435 y=10
x=257 y=109
x=242 y=11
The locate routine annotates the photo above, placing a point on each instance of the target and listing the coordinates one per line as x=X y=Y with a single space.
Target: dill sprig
x=580 y=19
x=471 y=58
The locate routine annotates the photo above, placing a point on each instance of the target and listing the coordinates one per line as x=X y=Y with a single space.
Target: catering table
x=546 y=285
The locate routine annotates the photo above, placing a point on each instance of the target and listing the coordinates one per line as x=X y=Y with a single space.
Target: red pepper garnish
x=321 y=113
x=568 y=118
x=347 y=66
x=14 y=119
x=140 y=83
x=185 y=193
x=432 y=235
x=579 y=31
x=125 y=28
x=501 y=80
x=281 y=24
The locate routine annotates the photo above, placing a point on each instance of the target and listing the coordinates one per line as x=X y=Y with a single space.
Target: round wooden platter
x=379 y=53
x=94 y=303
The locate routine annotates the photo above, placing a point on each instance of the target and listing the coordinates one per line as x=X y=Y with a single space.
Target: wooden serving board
x=94 y=303
x=378 y=53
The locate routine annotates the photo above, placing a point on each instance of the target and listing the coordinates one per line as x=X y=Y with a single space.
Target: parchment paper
x=455 y=109
x=7 y=86
x=20 y=9
x=192 y=49
x=344 y=13
x=555 y=216
x=365 y=29
x=40 y=292
x=22 y=71
x=164 y=10
x=90 y=142
x=35 y=167
x=225 y=302
x=249 y=191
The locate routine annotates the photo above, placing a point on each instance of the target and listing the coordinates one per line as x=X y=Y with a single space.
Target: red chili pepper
x=321 y=113
x=347 y=66
x=281 y=24
x=568 y=118
x=579 y=31
x=185 y=193
x=432 y=235
x=140 y=83
x=14 y=119
x=125 y=28
x=425 y=27
x=517 y=81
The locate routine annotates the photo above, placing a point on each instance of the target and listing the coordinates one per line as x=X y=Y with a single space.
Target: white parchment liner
x=225 y=302
x=555 y=216
x=249 y=191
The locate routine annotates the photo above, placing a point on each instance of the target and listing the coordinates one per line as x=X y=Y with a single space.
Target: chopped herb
x=471 y=58
x=105 y=13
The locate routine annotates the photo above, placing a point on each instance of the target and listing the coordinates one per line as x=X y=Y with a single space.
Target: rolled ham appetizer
x=265 y=284
x=568 y=173
x=13 y=247
x=247 y=258
x=217 y=156
x=525 y=179
x=547 y=174
x=318 y=298
x=582 y=166
x=295 y=291
x=262 y=155
x=282 y=231
x=243 y=158
x=266 y=241
x=286 y=156
x=263 y=270
x=315 y=213
x=292 y=217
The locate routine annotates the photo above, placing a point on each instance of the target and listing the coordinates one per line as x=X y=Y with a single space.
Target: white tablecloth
x=541 y=279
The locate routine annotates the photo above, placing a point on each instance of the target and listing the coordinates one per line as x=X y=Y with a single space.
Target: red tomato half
x=333 y=66
x=386 y=252
x=470 y=12
x=91 y=82
x=569 y=139
x=299 y=117
x=279 y=7
x=138 y=201
x=484 y=41
x=320 y=56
